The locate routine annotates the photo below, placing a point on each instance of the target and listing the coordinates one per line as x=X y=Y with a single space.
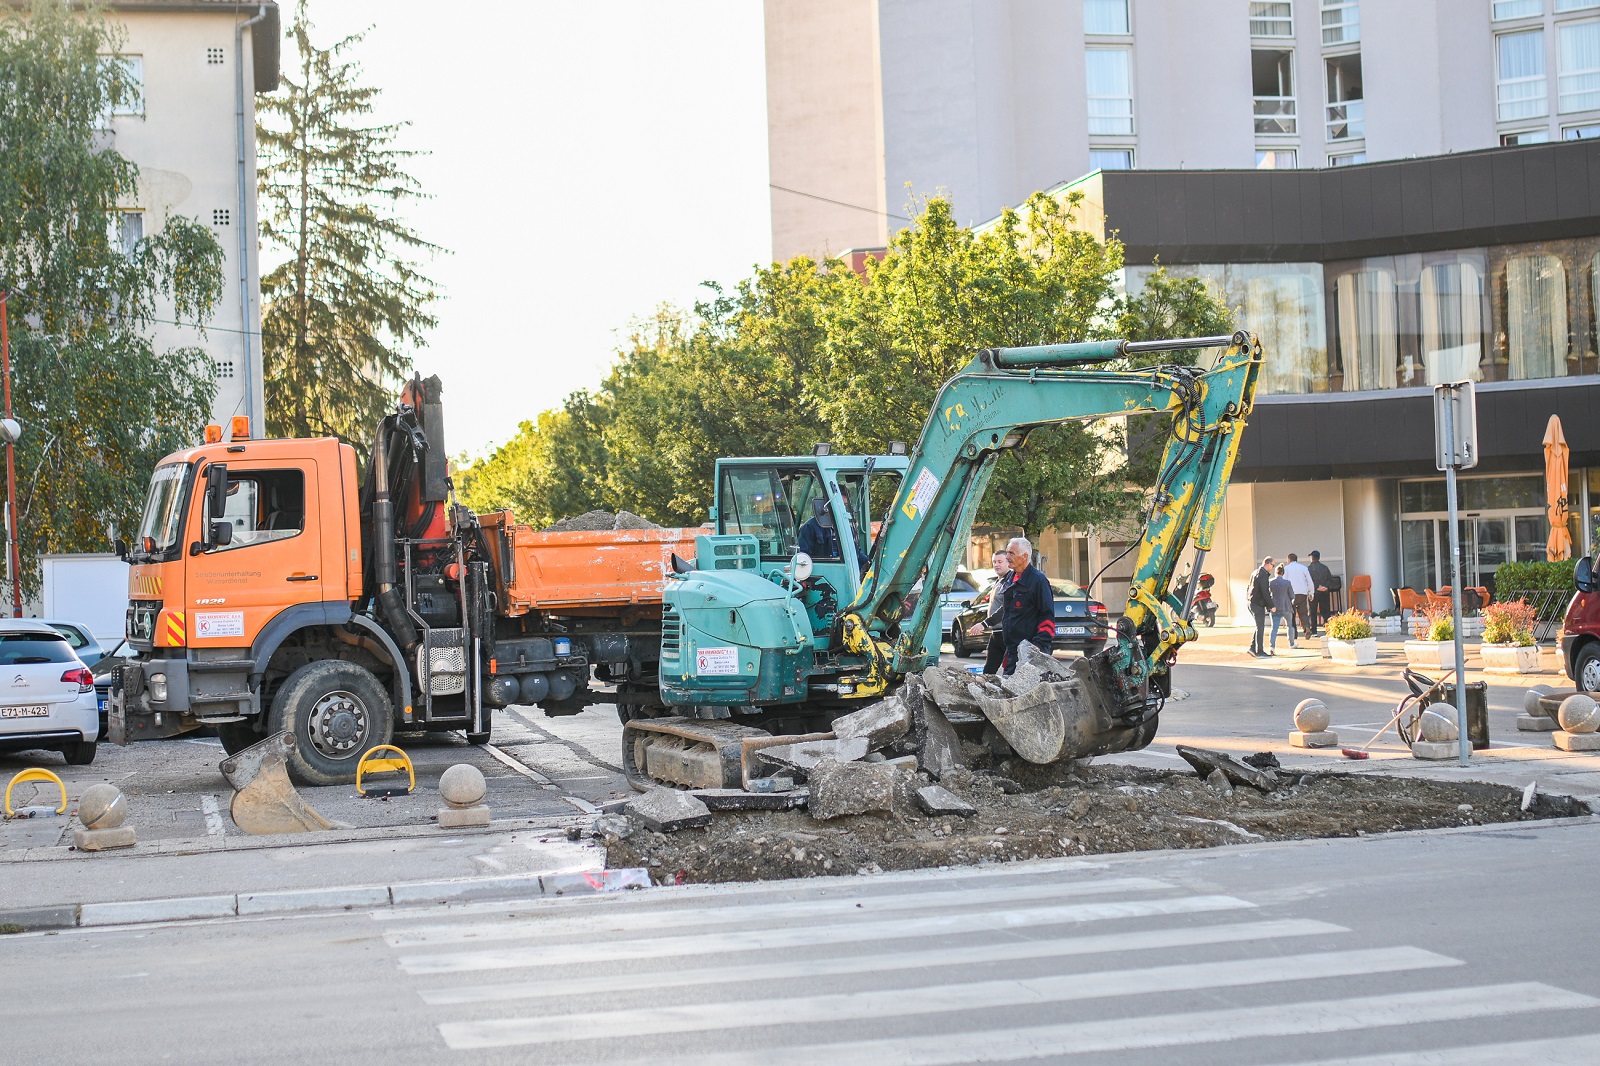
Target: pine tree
x=339 y=311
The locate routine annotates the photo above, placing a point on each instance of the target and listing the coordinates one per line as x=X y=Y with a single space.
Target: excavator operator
x=1030 y=610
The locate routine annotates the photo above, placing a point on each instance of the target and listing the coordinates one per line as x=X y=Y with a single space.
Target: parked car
x=1580 y=629
x=101 y=668
x=963 y=590
x=1080 y=621
x=83 y=642
x=47 y=697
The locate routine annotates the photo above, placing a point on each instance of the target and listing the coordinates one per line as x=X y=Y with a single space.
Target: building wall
x=185 y=144
x=1191 y=104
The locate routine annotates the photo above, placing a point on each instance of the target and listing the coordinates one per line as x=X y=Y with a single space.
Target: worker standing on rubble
x=1030 y=610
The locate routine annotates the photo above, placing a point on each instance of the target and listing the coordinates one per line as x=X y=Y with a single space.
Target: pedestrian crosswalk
x=1060 y=961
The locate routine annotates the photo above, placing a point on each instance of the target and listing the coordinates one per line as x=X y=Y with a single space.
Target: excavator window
x=763 y=501
x=264 y=506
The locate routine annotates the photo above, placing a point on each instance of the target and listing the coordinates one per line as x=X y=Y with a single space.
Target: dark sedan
x=1080 y=621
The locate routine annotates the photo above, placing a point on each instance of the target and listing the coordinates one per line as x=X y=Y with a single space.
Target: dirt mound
x=591 y=521
x=1027 y=812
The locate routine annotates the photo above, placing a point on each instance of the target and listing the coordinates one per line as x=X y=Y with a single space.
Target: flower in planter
x=1434 y=622
x=1508 y=623
x=1351 y=625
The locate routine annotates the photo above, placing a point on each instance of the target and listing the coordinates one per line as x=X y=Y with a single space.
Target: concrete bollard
x=1437 y=736
x=1579 y=718
x=102 y=810
x=1311 y=726
x=1534 y=718
x=463 y=788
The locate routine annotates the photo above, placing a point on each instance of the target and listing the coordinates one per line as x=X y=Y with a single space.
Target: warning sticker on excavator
x=716 y=661
x=218 y=624
x=922 y=491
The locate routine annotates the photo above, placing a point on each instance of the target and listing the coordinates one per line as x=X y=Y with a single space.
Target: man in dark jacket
x=1030 y=610
x=1322 y=598
x=996 y=653
x=1260 y=604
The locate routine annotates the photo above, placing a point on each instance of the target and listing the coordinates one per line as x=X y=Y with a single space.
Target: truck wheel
x=1586 y=669
x=336 y=711
x=80 y=753
x=237 y=736
x=480 y=739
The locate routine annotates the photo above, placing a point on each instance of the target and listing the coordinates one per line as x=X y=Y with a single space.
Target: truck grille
x=444 y=658
x=671 y=639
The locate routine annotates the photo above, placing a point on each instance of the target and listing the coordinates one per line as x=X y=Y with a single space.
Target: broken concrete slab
x=1322 y=738
x=931 y=738
x=733 y=799
x=770 y=784
x=878 y=724
x=666 y=810
x=843 y=788
x=948 y=687
x=619 y=826
x=940 y=801
x=1219 y=781
x=806 y=754
x=1033 y=668
x=1206 y=761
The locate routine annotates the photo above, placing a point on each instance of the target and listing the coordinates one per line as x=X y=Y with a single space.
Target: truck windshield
x=162 y=526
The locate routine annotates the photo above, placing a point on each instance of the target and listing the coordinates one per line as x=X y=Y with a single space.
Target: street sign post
x=1455 y=435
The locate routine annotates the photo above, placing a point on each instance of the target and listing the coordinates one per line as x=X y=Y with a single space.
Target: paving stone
x=878 y=724
x=463 y=817
x=104 y=839
x=667 y=810
x=1537 y=723
x=842 y=788
x=1576 y=741
x=1436 y=749
x=733 y=799
x=1322 y=738
x=938 y=800
x=806 y=754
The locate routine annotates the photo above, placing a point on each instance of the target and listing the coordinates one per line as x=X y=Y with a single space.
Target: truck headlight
x=157 y=684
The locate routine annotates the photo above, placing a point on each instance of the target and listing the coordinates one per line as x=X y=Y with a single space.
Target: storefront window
x=1453 y=312
x=1536 y=317
x=1368 y=329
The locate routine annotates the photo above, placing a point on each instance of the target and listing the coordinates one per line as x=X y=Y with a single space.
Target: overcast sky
x=589 y=161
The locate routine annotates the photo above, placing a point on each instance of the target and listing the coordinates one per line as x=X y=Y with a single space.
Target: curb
x=310 y=900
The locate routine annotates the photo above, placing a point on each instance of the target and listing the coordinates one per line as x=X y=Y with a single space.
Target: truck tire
x=336 y=711
x=1586 y=669
x=480 y=739
x=237 y=736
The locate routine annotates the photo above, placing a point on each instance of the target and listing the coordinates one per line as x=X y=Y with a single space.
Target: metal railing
x=1549 y=610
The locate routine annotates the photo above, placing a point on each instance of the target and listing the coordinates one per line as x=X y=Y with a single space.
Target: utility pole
x=1455 y=426
x=10 y=431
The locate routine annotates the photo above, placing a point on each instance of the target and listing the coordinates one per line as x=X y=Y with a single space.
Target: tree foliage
x=349 y=295
x=804 y=352
x=98 y=405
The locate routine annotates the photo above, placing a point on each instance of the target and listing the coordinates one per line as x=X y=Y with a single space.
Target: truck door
x=272 y=561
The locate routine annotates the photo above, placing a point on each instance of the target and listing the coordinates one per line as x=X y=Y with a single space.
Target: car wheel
x=1586 y=670
x=81 y=753
x=336 y=711
x=958 y=642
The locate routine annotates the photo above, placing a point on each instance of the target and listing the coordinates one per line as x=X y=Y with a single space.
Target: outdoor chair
x=1361 y=589
x=1409 y=601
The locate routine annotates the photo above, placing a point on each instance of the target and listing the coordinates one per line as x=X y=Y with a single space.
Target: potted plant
x=1350 y=639
x=1434 y=645
x=1508 y=646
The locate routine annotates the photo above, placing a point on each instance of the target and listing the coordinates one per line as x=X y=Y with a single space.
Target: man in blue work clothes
x=1030 y=610
x=819 y=537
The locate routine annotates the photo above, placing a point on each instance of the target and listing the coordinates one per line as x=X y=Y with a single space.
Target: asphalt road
x=1458 y=947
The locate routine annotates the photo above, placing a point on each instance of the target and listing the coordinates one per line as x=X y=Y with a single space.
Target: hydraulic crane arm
x=991 y=405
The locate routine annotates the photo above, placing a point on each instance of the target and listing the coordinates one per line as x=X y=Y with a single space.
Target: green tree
x=99 y=406
x=554 y=467
x=349 y=296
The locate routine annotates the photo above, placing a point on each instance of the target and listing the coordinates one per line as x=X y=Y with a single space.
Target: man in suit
x=1260 y=604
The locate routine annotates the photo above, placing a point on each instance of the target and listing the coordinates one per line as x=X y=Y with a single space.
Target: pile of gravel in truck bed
x=593 y=521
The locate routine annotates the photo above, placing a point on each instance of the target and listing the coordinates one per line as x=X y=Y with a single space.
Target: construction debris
x=600 y=521
x=841 y=788
x=666 y=810
x=931 y=737
x=1236 y=771
x=940 y=801
x=806 y=754
x=733 y=799
x=878 y=724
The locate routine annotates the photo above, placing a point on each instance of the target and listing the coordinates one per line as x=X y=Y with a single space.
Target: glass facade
x=1501 y=520
x=1509 y=313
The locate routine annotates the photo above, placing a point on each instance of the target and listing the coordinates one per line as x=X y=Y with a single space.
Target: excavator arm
x=991 y=406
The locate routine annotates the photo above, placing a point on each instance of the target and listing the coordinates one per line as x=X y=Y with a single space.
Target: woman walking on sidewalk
x=1283 y=605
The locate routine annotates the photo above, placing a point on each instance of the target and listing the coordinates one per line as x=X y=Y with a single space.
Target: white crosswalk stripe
x=948 y=970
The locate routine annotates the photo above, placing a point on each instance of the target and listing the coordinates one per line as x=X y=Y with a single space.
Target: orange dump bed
x=581 y=572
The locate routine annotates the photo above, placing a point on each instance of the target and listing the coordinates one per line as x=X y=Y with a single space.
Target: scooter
x=1205 y=608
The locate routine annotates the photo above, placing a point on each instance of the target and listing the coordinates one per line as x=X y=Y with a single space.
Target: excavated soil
x=591 y=521
x=1029 y=812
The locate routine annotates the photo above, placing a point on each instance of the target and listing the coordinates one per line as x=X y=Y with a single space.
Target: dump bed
x=588 y=572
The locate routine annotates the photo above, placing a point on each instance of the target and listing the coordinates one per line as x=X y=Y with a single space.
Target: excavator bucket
x=264 y=800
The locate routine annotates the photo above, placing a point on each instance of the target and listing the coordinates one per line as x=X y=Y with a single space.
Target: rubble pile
x=600 y=521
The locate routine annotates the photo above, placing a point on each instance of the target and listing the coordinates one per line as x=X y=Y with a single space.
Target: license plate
x=1074 y=631
x=103 y=702
x=24 y=712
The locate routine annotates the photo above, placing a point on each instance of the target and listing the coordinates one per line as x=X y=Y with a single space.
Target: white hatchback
x=47 y=697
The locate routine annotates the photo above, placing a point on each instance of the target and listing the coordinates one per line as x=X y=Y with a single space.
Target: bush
x=1508 y=623
x=1535 y=576
x=1351 y=625
x=1434 y=622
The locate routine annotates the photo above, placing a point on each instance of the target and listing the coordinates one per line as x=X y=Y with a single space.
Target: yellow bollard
x=380 y=766
x=35 y=773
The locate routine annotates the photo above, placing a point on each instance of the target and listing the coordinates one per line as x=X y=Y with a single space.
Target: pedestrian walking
x=1304 y=589
x=1322 y=601
x=997 y=604
x=1260 y=604
x=1282 y=610
x=1030 y=610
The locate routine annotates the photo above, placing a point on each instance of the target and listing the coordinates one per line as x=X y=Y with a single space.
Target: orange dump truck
x=271 y=589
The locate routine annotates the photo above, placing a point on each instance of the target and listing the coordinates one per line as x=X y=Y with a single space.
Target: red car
x=1580 y=633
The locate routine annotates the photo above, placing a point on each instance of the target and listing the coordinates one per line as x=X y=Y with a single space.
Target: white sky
x=590 y=161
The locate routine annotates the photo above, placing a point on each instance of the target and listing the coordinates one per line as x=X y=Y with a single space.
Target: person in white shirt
x=1299 y=576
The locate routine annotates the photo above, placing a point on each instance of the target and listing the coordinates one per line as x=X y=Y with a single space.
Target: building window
x=1276 y=159
x=1578 y=86
x=1111 y=159
x=1516 y=9
x=1580 y=133
x=1272 y=19
x=1105 y=16
x=1536 y=317
x=127 y=230
x=1452 y=304
x=1341 y=22
x=1110 y=83
x=1368 y=329
x=1520 y=91
x=130 y=81
x=1575 y=5
x=1346 y=118
x=1349 y=159
x=1272 y=77
x=1539 y=136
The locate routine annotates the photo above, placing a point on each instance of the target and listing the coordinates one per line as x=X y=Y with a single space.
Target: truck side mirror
x=221 y=534
x=1583 y=575
x=217 y=499
x=120 y=546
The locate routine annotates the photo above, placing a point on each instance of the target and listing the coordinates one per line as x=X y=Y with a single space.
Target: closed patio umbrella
x=1555 y=489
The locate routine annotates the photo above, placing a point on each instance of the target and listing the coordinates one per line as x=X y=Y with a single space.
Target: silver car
x=47 y=697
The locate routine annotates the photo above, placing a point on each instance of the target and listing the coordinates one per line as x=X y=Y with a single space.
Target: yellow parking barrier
x=35 y=773
x=369 y=764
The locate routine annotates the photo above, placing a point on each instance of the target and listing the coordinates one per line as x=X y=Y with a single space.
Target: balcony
x=1347 y=121
x=1275 y=114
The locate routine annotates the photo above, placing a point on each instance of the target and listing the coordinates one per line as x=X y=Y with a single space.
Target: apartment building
x=873 y=103
x=200 y=64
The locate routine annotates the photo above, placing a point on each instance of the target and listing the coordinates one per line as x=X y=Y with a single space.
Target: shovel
x=264 y=800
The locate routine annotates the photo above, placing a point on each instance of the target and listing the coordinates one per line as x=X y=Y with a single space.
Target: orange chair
x=1483 y=595
x=1439 y=599
x=1361 y=588
x=1409 y=601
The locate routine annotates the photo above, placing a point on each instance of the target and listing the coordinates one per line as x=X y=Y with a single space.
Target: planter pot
x=1510 y=658
x=1363 y=652
x=1435 y=654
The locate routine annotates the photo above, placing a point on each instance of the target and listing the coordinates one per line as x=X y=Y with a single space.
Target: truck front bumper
x=149 y=700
